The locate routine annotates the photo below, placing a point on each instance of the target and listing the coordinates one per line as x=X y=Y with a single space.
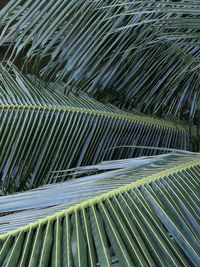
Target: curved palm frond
x=118 y=51
x=150 y=218
x=42 y=130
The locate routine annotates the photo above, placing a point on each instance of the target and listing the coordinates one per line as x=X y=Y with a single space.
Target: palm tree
x=99 y=107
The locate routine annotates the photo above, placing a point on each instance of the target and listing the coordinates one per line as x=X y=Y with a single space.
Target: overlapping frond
x=42 y=130
x=135 y=54
x=149 y=218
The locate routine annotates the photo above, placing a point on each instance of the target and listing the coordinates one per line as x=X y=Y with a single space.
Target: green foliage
x=43 y=130
x=60 y=119
x=150 y=217
x=137 y=54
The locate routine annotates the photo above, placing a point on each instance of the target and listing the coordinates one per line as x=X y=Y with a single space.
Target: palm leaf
x=149 y=218
x=117 y=164
x=133 y=54
x=42 y=130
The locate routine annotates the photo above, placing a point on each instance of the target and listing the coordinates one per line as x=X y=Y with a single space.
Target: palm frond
x=133 y=54
x=150 y=218
x=42 y=130
x=118 y=164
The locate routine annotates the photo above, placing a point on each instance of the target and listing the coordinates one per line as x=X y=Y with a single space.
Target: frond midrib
x=173 y=170
x=122 y=115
